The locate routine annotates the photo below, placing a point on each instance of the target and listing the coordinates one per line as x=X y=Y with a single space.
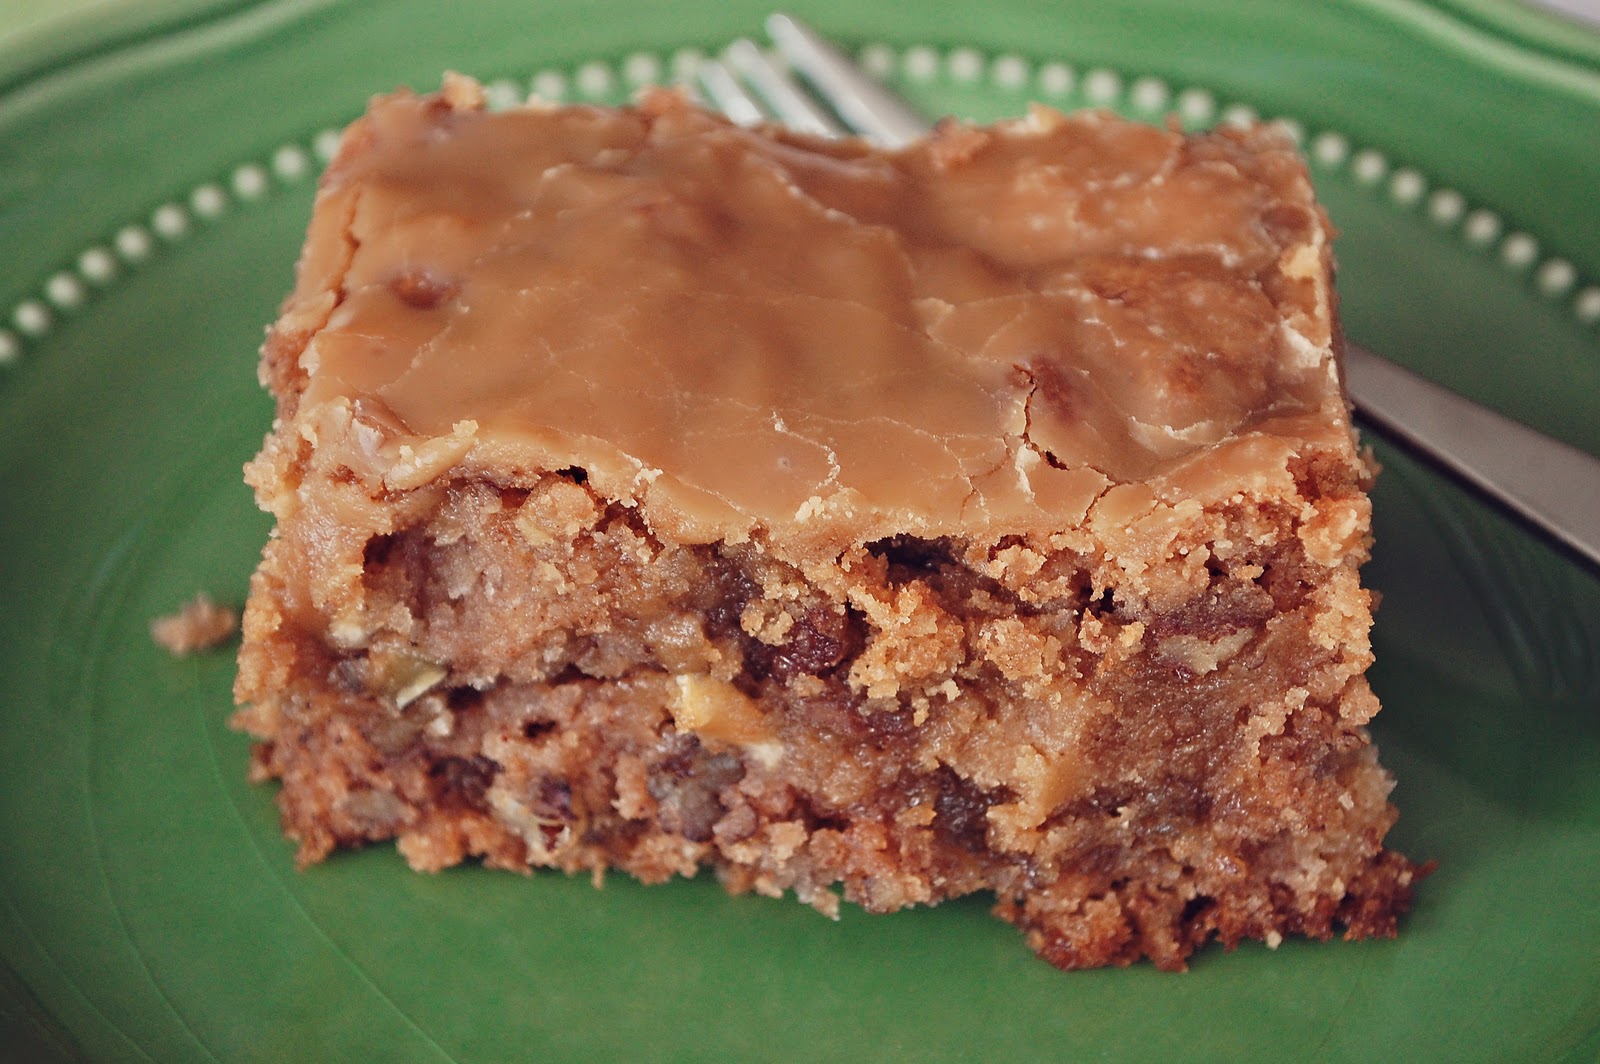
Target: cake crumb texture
x=200 y=625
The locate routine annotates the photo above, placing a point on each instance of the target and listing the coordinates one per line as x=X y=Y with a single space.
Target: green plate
x=156 y=169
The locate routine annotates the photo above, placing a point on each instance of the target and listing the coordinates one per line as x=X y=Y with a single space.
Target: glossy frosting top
x=743 y=329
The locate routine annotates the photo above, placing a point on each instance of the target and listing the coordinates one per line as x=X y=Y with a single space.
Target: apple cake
x=656 y=494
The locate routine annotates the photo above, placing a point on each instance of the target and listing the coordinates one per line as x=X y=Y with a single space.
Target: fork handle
x=1554 y=486
x=868 y=107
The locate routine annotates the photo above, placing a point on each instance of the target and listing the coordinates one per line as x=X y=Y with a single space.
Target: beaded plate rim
x=60 y=293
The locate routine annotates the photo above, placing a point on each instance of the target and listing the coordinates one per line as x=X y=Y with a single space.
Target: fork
x=1551 y=485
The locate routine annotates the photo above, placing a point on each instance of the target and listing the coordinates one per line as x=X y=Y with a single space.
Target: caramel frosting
x=748 y=329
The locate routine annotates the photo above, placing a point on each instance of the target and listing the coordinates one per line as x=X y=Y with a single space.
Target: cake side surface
x=982 y=516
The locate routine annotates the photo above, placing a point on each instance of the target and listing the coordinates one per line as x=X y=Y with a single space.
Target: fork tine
x=791 y=105
x=724 y=90
x=860 y=101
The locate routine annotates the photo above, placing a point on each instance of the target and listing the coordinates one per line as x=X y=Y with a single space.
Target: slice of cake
x=984 y=516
